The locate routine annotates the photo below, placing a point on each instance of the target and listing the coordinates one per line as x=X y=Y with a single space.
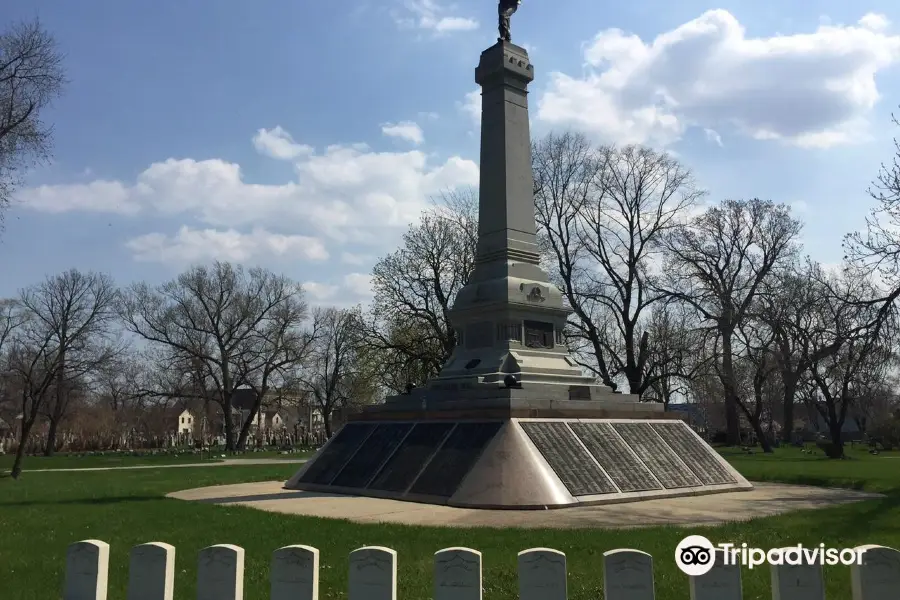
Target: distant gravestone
x=87 y=570
x=151 y=572
x=294 y=574
x=797 y=582
x=373 y=574
x=627 y=575
x=878 y=577
x=542 y=574
x=220 y=573
x=457 y=574
x=722 y=582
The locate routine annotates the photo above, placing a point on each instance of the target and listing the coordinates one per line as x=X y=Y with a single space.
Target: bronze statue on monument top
x=505 y=9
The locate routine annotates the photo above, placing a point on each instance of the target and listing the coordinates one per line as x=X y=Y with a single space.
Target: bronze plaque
x=452 y=462
x=568 y=459
x=659 y=458
x=697 y=455
x=613 y=454
x=372 y=454
x=328 y=464
x=538 y=334
x=420 y=445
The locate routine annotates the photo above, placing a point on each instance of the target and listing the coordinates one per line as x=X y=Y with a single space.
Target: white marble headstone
x=294 y=574
x=627 y=575
x=797 y=582
x=542 y=574
x=151 y=572
x=878 y=577
x=220 y=573
x=722 y=582
x=87 y=570
x=457 y=574
x=373 y=574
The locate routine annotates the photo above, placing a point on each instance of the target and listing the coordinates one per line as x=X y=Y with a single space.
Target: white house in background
x=265 y=420
x=185 y=424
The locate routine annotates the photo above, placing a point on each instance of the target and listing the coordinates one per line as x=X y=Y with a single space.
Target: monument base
x=501 y=461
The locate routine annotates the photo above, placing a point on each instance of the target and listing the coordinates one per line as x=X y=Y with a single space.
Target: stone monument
x=511 y=421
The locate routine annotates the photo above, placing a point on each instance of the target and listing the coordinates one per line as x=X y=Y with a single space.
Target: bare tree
x=332 y=374
x=277 y=346
x=718 y=264
x=68 y=321
x=856 y=353
x=11 y=317
x=211 y=324
x=414 y=289
x=602 y=214
x=31 y=77
x=565 y=169
x=760 y=367
x=676 y=351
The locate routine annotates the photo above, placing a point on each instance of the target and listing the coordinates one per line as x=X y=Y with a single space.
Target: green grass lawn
x=76 y=461
x=44 y=512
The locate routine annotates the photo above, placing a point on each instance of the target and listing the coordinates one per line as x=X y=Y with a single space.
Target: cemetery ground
x=42 y=513
x=126 y=459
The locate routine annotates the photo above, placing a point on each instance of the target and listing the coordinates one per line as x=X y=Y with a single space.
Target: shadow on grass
x=865 y=515
x=85 y=501
x=274 y=496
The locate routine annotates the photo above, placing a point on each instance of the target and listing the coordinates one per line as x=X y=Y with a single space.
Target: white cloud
x=432 y=16
x=713 y=136
x=345 y=192
x=279 y=144
x=799 y=206
x=319 y=292
x=806 y=89
x=354 y=259
x=96 y=196
x=875 y=22
x=471 y=105
x=405 y=130
x=359 y=284
x=190 y=246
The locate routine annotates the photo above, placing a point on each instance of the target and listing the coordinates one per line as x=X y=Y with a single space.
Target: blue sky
x=304 y=136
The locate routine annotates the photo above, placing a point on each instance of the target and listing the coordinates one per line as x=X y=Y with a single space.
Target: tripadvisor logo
x=695 y=555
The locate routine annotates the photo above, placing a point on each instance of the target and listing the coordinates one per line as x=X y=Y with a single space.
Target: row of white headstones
x=294 y=575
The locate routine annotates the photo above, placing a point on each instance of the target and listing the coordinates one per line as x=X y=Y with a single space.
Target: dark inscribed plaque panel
x=613 y=454
x=538 y=334
x=374 y=451
x=400 y=470
x=452 y=462
x=694 y=453
x=659 y=458
x=568 y=459
x=338 y=452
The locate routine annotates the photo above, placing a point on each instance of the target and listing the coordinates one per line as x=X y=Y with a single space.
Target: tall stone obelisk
x=509 y=318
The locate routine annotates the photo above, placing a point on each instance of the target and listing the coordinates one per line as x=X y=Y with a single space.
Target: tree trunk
x=835 y=425
x=790 y=393
x=836 y=448
x=326 y=422
x=50 y=446
x=764 y=442
x=229 y=429
x=732 y=422
x=20 y=451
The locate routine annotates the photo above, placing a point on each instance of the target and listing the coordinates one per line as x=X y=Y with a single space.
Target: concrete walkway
x=763 y=501
x=228 y=462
